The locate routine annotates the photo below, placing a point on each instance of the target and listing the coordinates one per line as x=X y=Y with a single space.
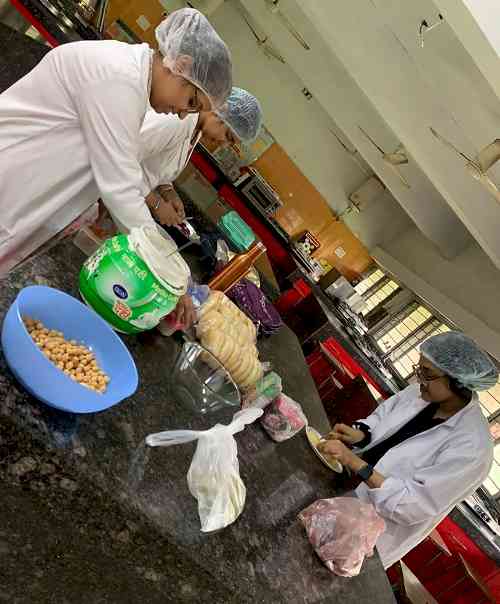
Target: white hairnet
x=459 y=357
x=242 y=113
x=192 y=49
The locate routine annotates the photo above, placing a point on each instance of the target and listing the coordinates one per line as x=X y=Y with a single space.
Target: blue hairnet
x=192 y=49
x=459 y=357
x=242 y=113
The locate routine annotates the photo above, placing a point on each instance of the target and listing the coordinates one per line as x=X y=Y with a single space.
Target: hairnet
x=459 y=357
x=242 y=113
x=192 y=49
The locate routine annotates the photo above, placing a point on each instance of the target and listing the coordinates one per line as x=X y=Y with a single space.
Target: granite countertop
x=100 y=461
x=18 y=55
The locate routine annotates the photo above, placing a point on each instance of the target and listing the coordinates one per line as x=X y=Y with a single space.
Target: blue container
x=59 y=311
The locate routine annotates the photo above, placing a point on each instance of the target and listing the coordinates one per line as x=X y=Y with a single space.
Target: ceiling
x=366 y=68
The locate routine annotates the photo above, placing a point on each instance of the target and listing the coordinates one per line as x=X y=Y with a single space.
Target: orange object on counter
x=236 y=268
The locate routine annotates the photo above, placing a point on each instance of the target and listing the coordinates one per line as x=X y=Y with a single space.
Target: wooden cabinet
x=128 y=12
x=304 y=208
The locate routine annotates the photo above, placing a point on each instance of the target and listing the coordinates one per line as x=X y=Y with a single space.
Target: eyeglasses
x=196 y=104
x=422 y=378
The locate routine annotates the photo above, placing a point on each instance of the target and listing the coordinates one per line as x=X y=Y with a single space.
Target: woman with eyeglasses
x=425 y=449
x=69 y=130
x=167 y=144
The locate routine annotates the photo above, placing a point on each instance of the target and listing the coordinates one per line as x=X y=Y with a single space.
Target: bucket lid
x=159 y=251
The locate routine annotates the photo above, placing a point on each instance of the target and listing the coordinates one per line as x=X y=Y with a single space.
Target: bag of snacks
x=214 y=475
x=342 y=532
x=283 y=418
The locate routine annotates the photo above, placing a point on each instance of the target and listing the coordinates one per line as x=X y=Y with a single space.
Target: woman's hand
x=185 y=312
x=337 y=449
x=170 y=195
x=346 y=434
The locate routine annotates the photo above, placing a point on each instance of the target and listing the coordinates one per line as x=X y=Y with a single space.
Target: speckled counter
x=102 y=496
x=18 y=55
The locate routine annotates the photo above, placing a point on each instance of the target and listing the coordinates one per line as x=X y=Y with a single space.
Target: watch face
x=365 y=472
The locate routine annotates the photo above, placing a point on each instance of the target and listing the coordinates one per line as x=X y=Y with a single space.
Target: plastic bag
x=213 y=477
x=283 y=418
x=254 y=303
x=342 y=532
x=264 y=391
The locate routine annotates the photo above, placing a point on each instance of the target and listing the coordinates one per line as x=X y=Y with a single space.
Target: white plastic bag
x=214 y=476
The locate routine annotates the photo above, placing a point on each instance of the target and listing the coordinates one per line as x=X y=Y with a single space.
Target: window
x=368 y=282
x=381 y=294
x=490 y=405
x=400 y=338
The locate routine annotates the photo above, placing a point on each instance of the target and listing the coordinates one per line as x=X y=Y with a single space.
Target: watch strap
x=365 y=472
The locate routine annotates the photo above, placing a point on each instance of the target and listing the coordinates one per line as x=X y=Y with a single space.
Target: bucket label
x=122 y=310
x=120 y=291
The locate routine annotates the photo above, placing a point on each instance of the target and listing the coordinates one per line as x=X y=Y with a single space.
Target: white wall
x=414 y=88
x=302 y=127
x=466 y=290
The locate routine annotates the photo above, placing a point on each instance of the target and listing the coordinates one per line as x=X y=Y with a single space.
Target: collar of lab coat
x=455 y=419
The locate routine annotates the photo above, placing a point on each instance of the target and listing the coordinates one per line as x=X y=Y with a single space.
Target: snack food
x=230 y=336
x=75 y=360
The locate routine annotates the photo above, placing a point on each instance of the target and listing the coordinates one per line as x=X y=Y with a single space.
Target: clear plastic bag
x=283 y=418
x=343 y=531
x=213 y=477
x=264 y=391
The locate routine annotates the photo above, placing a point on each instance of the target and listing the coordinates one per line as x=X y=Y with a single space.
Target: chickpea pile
x=74 y=359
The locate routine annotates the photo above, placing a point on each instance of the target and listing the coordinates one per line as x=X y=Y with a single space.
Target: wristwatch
x=365 y=472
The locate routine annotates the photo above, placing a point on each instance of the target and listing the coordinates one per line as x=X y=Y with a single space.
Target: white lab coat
x=165 y=147
x=426 y=475
x=69 y=132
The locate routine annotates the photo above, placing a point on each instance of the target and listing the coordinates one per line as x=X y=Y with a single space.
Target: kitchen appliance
x=260 y=193
x=40 y=376
x=200 y=382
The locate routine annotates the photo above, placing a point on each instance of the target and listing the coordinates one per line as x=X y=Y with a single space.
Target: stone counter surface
x=90 y=478
x=18 y=55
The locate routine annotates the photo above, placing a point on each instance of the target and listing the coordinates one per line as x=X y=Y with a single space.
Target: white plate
x=314 y=437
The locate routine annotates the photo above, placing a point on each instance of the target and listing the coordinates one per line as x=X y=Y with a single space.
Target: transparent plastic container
x=201 y=382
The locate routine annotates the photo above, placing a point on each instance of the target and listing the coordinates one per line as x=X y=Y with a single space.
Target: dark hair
x=461 y=391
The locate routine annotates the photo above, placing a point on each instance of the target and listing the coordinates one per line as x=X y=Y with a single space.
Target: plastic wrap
x=283 y=418
x=264 y=391
x=214 y=476
x=256 y=307
x=343 y=531
x=230 y=336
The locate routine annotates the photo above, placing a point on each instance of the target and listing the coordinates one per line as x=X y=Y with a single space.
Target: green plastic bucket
x=118 y=284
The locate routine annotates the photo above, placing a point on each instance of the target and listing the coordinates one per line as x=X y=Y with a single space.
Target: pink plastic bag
x=342 y=532
x=283 y=418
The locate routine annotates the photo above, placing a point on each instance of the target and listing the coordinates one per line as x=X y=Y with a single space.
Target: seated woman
x=425 y=449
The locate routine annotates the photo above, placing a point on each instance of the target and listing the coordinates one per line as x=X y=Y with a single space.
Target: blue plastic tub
x=59 y=311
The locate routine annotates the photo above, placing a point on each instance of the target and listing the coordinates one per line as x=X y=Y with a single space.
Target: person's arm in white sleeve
x=431 y=490
x=110 y=117
x=160 y=132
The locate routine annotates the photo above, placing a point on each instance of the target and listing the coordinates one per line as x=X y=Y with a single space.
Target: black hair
x=461 y=391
